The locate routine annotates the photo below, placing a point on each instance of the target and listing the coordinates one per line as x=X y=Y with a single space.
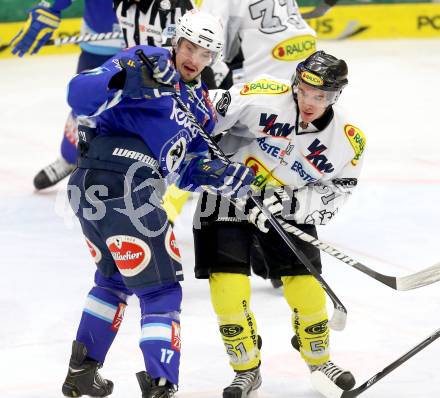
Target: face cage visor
x=314 y=95
x=197 y=52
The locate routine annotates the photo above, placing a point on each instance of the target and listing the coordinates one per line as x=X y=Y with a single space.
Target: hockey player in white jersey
x=268 y=36
x=271 y=34
x=307 y=156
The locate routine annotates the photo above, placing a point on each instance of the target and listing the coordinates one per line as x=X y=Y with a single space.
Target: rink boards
x=354 y=22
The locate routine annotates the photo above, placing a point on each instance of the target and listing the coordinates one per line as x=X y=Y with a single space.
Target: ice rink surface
x=391 y=224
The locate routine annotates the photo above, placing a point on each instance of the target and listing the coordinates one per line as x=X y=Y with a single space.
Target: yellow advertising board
x=354 y=22
x=379 y=21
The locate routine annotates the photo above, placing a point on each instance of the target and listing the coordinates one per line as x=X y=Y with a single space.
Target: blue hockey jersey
x=167 y=132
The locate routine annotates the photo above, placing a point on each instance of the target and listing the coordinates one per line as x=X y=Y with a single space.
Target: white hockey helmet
x=202 y=29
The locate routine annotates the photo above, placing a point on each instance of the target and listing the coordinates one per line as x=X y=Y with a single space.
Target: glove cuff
x=52 y=8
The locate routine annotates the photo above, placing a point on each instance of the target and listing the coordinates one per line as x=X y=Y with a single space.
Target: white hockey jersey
x=265 y=133
x=272 y=34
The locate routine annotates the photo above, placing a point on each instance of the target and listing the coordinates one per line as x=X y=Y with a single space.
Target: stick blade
x=339 y=319
x=422 y=278
x=325 y=386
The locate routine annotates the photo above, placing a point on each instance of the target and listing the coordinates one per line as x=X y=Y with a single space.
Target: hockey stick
x=319 y=10
x=77 y=39
x=339 y=318
x=387 y=370
x=409 y=282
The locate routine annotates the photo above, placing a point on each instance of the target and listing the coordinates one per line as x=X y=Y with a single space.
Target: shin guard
x=102 y=315
x=230 y=296
x=160 y=336
x=306 y=299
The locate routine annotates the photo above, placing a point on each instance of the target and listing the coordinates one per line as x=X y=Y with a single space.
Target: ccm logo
x=428 y=21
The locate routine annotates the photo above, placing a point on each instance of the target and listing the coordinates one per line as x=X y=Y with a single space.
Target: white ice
x=391 y=224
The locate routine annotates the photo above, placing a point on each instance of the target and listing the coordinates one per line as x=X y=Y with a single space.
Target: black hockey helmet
x=322 y=71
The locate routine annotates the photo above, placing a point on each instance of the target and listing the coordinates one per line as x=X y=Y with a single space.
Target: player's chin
x=308 y=116
x=190 y=77
x=190 y=73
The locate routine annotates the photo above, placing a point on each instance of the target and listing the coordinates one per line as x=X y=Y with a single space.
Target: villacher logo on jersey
x=131 y=254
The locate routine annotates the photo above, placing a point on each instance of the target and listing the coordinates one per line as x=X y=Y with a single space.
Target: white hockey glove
x=280 y=201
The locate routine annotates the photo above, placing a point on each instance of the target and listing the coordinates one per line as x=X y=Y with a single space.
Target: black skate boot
x=83 y=377
x=155 y=388
x=53 y=173
x=243 y=384
x=328 y=375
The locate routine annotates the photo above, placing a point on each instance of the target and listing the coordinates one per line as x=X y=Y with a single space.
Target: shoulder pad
x=264 y=86
x=357 y=140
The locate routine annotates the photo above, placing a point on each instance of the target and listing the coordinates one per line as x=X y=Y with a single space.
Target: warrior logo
x=131 y=255
x=316 y=157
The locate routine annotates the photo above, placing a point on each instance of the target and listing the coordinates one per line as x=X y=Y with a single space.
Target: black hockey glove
x=280 y=201
x=231 y=180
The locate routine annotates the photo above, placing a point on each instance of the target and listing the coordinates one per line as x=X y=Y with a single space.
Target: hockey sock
x=102 y=315
x=160 y=336
x=306 y=299
x=230 y=297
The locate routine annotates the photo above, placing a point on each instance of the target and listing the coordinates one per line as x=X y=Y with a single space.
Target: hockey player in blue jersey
x=135 y=137
x=42 y=21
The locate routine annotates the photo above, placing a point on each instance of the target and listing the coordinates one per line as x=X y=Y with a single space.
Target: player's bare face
x=191 y=59
x=312 y=102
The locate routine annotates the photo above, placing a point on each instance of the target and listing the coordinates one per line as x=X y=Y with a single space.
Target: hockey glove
x=280 y=201
x=231 y=180
x=37 y=31
x=142 y=82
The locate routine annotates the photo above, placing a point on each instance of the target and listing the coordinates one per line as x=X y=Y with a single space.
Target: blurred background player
x=42 y=21
x=306 y=155
x=136 y=136
x=268 y=36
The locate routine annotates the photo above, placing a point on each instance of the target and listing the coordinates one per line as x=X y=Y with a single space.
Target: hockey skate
x=328 y=376
x=53 y=173
x=243 y=384
x=83 y=377
x=155 y=388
